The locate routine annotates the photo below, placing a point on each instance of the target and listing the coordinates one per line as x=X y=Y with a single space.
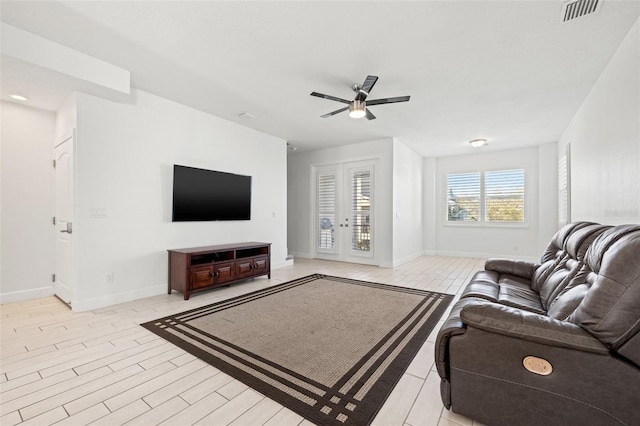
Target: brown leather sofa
x=555 y=343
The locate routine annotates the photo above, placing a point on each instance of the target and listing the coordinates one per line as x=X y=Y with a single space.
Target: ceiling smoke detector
x=575 y=9
x=246 y=116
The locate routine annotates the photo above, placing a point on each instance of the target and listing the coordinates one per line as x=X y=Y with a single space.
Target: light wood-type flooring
x=101 y=368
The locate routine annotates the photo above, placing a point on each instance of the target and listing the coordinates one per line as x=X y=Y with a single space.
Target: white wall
x=429 y=172
x=407 y=204
x=548 y=222
x=524 y=242
x=299 y=188
x=125 y=155
x=27 y=240
x=605 y=142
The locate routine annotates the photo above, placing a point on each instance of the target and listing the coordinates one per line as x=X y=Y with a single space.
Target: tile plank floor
x=101 y=368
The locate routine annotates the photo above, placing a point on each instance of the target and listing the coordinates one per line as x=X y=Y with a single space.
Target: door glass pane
x=326 y=211
x=361 y=211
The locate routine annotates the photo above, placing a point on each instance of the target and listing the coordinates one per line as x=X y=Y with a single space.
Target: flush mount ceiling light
x=246 y=116
x=357 y=109
x=19 y=97
x=477 y=143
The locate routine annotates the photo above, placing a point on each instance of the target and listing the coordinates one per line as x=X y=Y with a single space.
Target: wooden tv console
x=203 y=268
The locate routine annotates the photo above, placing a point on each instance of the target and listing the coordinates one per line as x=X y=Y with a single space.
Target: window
x=463 y=200
x=504 y=196
x=486 y=197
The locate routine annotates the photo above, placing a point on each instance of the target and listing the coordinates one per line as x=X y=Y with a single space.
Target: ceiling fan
x=358 y=107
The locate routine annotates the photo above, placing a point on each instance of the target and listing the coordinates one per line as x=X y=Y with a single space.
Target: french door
x=344 y=210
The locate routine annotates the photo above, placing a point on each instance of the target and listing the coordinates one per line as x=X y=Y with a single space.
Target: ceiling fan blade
x=388 y=100
x=331 y=98
x=368 y=84
x=370 y=115
x=338 y=111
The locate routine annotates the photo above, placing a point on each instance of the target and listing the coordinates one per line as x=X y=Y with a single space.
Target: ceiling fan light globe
x=357 y=113
x=357 y=109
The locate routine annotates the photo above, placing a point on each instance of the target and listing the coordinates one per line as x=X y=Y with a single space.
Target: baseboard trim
x=114 y=299
x=406 y=259
x=282 y=264
x=22 y=295
x=486 y=255
x=301 y=254
x=128 y=296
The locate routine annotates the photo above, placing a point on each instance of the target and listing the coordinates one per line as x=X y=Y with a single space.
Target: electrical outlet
x=110 y=277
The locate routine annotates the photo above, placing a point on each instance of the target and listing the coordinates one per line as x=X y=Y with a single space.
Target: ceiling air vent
x=578 y=8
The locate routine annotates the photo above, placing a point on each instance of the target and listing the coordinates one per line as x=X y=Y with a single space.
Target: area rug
x=331 y=349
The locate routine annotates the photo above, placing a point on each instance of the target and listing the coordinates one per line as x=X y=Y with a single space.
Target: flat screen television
x=207 y=195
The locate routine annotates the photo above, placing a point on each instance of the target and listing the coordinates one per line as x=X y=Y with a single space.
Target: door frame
x=71 y=134
x=344 y=180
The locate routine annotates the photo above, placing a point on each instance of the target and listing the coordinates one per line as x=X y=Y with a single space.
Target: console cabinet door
x=260 y=265
x=201 y=276
x=244 y=268
x=223 y=272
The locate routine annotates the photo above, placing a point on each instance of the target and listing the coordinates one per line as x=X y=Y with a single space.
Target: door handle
x=69 y=229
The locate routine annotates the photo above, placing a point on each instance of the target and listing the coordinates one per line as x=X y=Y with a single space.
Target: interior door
x=344 y=212
x=63 y=182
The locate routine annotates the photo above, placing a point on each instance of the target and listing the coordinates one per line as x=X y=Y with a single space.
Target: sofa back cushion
x=565 y=304
x=611 y=309
x=554 y=253
x=576 y=246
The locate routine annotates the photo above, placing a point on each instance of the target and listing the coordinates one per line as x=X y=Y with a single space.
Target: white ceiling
x=507 y=71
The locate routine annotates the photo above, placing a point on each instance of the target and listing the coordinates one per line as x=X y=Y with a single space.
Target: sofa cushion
x=517 y=293
x=567 y=302
x=557 y=241
x=483 y=284
x=555 y=253
x=512 y=267
x=611 y=309
x=576 y=246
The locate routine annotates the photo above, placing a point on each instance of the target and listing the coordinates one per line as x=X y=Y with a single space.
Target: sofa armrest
x=530 y=326
x=453 y=326
x=519 y=268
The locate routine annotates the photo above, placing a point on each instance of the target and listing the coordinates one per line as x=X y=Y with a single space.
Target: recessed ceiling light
x=19 y=97
x=477 y=143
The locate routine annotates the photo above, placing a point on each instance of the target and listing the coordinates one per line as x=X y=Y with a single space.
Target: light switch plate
x=98 y=213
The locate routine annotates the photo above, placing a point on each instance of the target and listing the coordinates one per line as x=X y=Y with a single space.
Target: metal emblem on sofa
x=537 y=365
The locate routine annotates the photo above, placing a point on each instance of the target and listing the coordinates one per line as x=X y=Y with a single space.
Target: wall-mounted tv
x=206 y=195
